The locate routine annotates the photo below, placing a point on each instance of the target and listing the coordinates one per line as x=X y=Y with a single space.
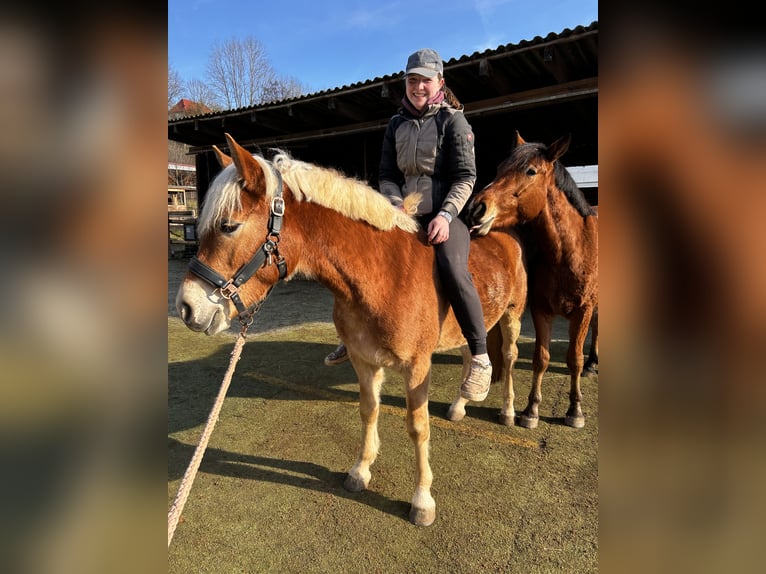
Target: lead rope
x=174 y=514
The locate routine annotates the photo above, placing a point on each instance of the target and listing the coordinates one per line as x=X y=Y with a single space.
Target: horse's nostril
x=184 y=311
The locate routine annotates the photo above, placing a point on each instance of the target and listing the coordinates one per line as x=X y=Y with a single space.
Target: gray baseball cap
x=425 y=62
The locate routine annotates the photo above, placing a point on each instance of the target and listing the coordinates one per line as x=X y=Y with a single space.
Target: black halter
x=268 y=250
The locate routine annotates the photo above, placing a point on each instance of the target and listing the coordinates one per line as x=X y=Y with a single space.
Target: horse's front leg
x=423 y=509
x=370 y=382
x=543 y=324
x=578 y=331
x=510 y=328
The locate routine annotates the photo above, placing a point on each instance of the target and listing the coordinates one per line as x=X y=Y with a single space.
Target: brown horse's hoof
x=528 y=422
x=422 y=516
x=577 y=422
x=506 y=420
x=354 y=484
x=589 y=371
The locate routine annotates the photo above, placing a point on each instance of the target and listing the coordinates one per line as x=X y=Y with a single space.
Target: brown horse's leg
x=456 y=411
x=543 y=323
x=370 y=382
x=423 y=509
x=511 y=327
x=591 y=364
x=578 y=331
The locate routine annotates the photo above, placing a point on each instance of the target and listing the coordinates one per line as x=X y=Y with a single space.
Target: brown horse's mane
x=566 y=183
x=522 y=155
x=310 y=183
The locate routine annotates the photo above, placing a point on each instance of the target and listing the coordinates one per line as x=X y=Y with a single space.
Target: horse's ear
x=223 y=159
x=247 y=167
x=558 y=148
x=519 y=140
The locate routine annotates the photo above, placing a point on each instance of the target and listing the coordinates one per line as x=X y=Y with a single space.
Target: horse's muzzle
x=198 y=313
x=476 y=218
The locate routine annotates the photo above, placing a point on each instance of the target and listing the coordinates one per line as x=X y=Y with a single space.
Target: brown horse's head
x=519 y=191
x=233 y=223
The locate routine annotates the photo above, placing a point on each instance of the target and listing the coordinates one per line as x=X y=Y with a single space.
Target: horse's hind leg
x=370 y=382
x=511 y=327
x=591 y=363
x=578 y=331
x=543 y=323
x=423 y=508
x=456 y=411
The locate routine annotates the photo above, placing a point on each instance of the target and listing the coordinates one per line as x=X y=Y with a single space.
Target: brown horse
x=559 y=230
x=388 y=308
x=591 y=363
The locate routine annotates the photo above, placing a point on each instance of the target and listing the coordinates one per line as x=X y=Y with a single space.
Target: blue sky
x=326 y=44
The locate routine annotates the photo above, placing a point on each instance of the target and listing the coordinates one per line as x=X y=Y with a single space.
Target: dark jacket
x=430 y=155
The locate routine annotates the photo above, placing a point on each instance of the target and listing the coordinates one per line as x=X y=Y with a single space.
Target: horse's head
x=239 y=235
x=518 y=192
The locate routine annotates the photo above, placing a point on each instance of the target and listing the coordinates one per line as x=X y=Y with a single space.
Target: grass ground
x=269 y=494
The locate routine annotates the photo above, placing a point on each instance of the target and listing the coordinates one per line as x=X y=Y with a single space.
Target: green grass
x=269 y=495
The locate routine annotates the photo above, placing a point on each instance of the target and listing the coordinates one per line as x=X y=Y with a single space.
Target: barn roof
x=188 y=107
x=552 y=79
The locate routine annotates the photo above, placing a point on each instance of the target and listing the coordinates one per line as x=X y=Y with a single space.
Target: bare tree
x=283 y=88
x=202 y=94
x=240 y=74
x=175 y=86
x=178 y=152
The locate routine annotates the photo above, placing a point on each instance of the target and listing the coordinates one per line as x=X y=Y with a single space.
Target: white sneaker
x=475 y=387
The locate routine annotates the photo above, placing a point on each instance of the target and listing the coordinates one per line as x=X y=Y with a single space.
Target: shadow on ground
x=269 y=493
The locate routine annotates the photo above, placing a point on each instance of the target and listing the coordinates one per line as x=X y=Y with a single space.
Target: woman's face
x=420 y=89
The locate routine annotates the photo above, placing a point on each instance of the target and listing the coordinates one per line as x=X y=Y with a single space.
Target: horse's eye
x=531 y=171
x=228 y=226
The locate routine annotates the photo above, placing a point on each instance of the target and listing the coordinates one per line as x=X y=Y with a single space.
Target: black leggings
x=452 y=263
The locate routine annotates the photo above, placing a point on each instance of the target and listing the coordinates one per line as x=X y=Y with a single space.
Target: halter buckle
x=229 y=289
x=277 y=206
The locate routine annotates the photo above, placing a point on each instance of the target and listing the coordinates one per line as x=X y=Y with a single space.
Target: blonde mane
x=346 y=195
x=308 y=182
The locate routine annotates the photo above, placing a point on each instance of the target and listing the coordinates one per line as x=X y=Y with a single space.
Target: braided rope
x=174 y=514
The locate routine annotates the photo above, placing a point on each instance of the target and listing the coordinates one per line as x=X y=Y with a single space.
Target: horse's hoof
x=577 y=422
x=528 y=422
x=455 y=414
x=422 y=516
x=354 y=484
x=506 y=420
x=589 y=371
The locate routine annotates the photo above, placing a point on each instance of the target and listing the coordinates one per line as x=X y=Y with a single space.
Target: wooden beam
x=532 y=98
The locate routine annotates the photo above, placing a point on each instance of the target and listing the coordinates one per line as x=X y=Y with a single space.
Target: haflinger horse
x=559 y=230
x=388 y=310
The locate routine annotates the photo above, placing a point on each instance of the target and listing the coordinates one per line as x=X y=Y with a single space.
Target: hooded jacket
x=432 y=155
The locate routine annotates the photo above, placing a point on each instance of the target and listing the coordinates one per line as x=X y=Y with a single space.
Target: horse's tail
x=495 y=351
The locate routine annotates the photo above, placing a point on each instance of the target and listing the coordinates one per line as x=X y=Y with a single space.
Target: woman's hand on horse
x=438 y=230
